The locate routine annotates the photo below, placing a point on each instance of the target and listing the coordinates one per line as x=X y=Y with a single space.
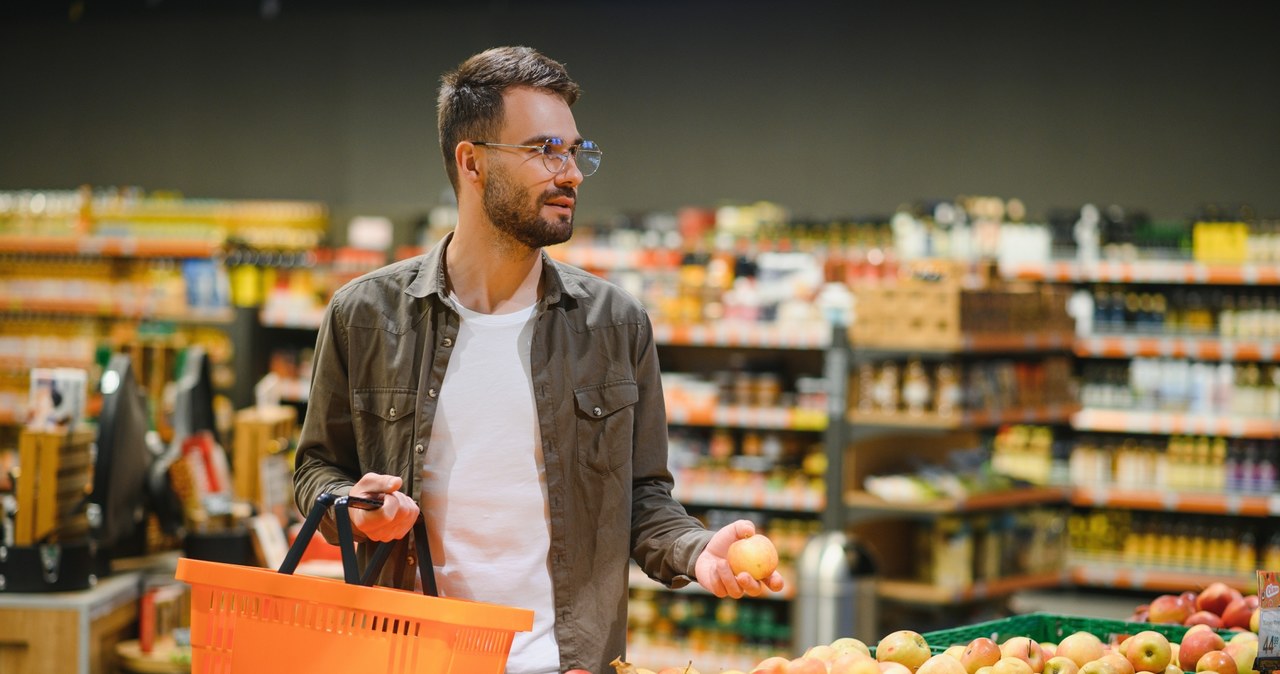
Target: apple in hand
x=1080 y=648
x=1149 y=651
x=981 y=652
x=905 y=647
x=755 y=556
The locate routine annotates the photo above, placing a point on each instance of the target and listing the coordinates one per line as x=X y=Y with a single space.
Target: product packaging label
x=1268 y=622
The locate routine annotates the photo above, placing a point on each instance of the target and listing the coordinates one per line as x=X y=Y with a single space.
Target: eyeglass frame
x=547 y=154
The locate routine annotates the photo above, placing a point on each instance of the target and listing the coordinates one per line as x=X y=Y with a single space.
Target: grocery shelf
x=1199 y=348
x=8 y=416
x=636 y=579
x=109 y=246
x=1152 y=580
x=22 y=364
x=787 y=500
x=744 y=416
x=1250 y=505
x=1049 y=414
x=1174 y=423
x=1147 y=271
x=996 y=500
x=993 y=343
x=910 y=592
x=291 y=318
x=110 y=308
x=811 y=336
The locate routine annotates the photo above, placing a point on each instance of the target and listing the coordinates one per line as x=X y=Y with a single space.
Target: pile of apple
x=906 y=652
x=1219 y=606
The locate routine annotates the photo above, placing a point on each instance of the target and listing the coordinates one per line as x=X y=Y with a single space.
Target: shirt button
x=392 y=413
x=417 y=448
x=448 y=341
x=597 y=411
x=432 y=392
x=412 y=560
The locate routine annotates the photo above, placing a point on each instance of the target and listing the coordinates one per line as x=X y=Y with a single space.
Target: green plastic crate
x=1049 y=627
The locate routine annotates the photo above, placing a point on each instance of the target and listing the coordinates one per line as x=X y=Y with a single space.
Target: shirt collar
x=430 y=277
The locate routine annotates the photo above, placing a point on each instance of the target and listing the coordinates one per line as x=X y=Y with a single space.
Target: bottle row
x=1182 y=463
x=951 y=387
x=696 y=391
x=154 y=285
x=1226 y=314
x=1209 y=545
x=958 y=551
x=1177 y=385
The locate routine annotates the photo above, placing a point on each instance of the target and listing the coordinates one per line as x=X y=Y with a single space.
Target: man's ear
x=468 y=162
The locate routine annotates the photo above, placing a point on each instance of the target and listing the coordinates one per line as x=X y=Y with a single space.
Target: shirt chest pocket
x=383 y=425
x=606 y=421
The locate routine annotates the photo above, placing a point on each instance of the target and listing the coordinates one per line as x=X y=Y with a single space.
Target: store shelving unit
x=1252 y=510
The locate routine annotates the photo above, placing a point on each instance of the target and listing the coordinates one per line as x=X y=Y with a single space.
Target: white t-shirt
x=484 y=482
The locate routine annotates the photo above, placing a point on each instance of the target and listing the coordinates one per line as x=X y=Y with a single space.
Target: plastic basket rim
x=990 y=626
x=334 y=592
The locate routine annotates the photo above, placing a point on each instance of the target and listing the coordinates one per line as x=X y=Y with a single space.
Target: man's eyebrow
x=540 y=139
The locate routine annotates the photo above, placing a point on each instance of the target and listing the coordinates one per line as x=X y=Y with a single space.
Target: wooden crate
x=911 y=316
x=55 y=473
x=261 y=436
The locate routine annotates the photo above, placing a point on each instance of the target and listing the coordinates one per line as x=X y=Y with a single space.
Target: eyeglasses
x=586 y=154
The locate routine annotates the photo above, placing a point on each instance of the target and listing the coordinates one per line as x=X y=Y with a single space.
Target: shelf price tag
x=1234 y=503
x=1273 y=504
x=1268 y=622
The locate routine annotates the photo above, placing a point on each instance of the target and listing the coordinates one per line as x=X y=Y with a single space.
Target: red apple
x=1204 y=618
x=1011 y=665
x=1198 y=640
x=904 y=647
x=1216 y=597
x=1239 y=611
x=755 y=556
x=1243 y=652
x=1216 y=661
x=773 y=665
x=941 y=664
x=1170 y=608
x=1149 y=651
x=1080 y=647
x=806 y=665
x=854 y=663
x=1026 y=649
x=981 y=652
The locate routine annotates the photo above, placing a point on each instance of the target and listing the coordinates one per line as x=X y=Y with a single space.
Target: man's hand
x=396 y=516
x=713 y=572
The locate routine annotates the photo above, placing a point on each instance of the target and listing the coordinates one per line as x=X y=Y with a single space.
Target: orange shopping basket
x=246 y=619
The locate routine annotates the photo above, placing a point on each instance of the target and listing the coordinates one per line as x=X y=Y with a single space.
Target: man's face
x=521 y=197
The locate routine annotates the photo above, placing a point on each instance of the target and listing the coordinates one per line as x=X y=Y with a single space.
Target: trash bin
x=835 y=592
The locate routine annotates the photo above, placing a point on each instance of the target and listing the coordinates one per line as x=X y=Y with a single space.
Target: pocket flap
x=601 y=400
x=391 y=404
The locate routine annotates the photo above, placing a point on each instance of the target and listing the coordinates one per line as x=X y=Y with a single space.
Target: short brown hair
x=469 y=106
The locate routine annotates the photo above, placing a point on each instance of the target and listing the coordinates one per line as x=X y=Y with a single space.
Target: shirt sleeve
x=665 y=540
x=326 y=458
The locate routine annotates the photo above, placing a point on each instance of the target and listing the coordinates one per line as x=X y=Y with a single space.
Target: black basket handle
x=346 y=542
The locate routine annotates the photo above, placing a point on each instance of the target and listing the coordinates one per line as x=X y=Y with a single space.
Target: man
x=517 y=397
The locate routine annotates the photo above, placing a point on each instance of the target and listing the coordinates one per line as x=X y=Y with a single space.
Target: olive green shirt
x=381 y=355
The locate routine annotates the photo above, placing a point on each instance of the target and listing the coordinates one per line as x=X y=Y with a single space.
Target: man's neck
x=491 y=276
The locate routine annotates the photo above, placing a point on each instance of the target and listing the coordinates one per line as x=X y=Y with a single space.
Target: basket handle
x=346 y=541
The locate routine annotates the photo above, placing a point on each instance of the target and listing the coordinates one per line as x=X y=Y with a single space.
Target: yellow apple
x=904 y=647
x=755 y=555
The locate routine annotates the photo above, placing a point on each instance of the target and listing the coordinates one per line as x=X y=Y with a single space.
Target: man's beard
x=511 y=212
